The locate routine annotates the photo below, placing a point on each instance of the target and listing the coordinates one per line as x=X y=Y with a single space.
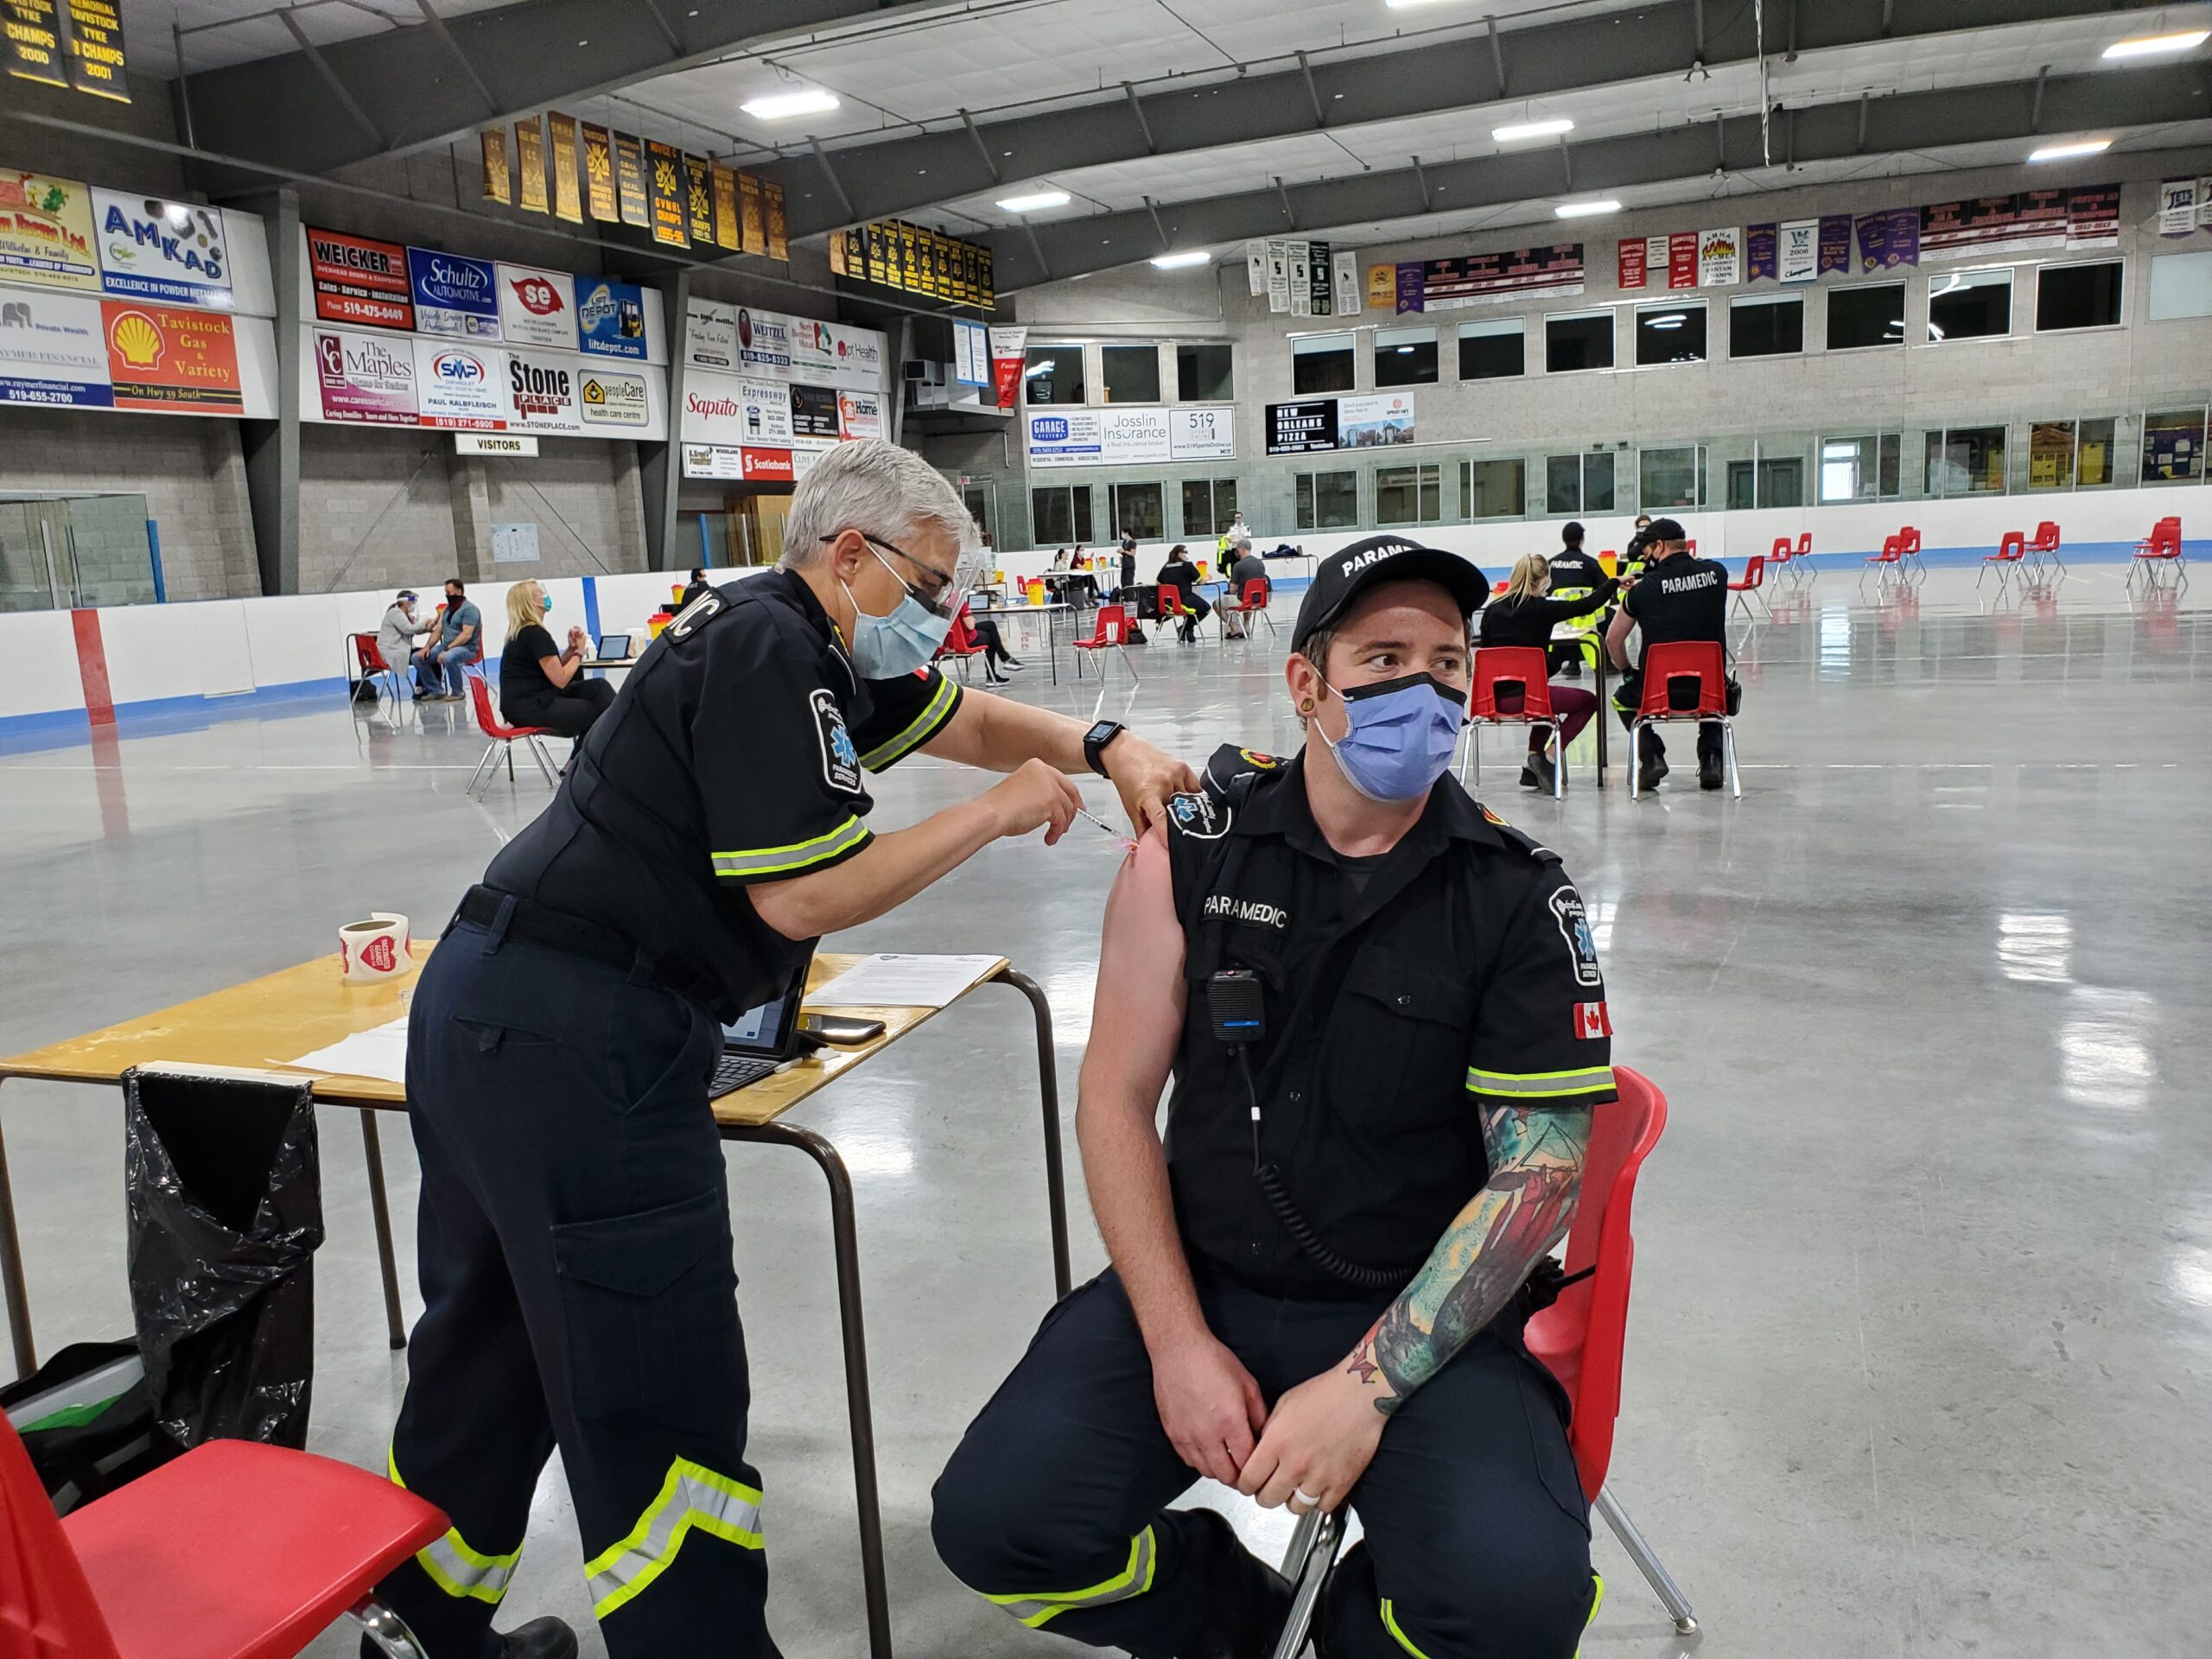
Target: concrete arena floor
x=1922 y=1326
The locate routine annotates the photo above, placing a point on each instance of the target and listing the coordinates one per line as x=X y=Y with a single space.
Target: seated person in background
x=698 y=585
x=538 y=686
x=1181 y=575
x=1317 y=1293
x=1637 y=553
x=1242 y=566
x=996 y=656
x=1060 y=560
x=397 y=634
x=460 y=642
x=1677 y=597
x=1524 y=615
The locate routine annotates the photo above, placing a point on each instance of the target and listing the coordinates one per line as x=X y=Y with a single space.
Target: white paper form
x=380 y=1052
x=890 y=980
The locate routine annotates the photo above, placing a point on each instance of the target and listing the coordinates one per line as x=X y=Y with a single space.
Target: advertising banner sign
x=1202 y=434
x=485 y=443
x=836 y=355
x=1009 y=352
x=1370 y=422
x=46 y=232
x=1344 y=279
x=536 y=307
x=1069 y=437
x=542 y=393
x=630 y=188
x=2178 y=207
x=727 y=461
x=175 y=360
x=459 y=386
x=1302 y=428
x=51 y=350
x=529 y=165
x=358 y=280
x=710 y=335
x=664 y=189
x=1382 y=287
x=814 y=412
x=2093 y=215
x=609 y=397
x=859 y=414
x=1799 y=249
x=567 y=204
x=1114 y=437
x=599 y=173
x=732 y=410
x=764 y=342
x=1482 y=279
x=365 y=379
x=1761 y=253
x=1256 y=267
x=453 y=294
x=610 y=318
x=1633 y=271
x=1719 y=258
x=154 y=250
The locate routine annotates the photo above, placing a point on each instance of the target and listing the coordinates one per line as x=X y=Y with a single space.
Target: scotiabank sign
x=740 y=463
x=773 y=466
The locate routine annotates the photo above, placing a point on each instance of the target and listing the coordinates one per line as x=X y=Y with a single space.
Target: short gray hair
x=872 y=486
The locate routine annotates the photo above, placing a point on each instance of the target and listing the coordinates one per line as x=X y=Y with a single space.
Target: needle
x=1127 y=845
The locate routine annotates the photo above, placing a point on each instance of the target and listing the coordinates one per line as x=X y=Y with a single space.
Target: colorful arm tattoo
x=1536 y=1156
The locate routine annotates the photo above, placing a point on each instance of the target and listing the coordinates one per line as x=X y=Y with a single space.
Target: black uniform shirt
x=1571 y=567
x=1530 y=622
x=733 y=755
x=1403 y=994
x=1681 y=598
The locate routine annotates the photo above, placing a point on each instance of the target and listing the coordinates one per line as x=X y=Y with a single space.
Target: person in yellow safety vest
x=1575 y=575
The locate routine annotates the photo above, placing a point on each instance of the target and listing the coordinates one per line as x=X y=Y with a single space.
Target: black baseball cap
x=1339 y=579
x=1667 y=529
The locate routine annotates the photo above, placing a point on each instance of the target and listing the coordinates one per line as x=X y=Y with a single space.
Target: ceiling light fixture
x=2144 y=45
x=781 y=106
x=2068 y=151
x=1178 y=261
x=1583 y=209
x=1036 y=201
x=1532 y=130
x=1401 y=5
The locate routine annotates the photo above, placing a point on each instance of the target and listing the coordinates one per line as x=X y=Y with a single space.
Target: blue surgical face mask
x=884 y=648
x=545 y=605
x=1402 y=735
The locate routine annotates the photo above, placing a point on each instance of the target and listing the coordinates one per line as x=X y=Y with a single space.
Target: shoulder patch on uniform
x=696 y=611
x=1519 y=840
x=840 y=760
x=1261 y=762
x=1566 y=905
x=1198 y=816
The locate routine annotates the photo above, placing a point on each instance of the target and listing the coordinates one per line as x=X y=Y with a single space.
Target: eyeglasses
x=936 y=593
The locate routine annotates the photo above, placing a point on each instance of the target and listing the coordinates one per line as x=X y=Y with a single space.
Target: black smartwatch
x=1095 y=741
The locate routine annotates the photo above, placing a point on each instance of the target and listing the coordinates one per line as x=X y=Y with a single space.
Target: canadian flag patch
x=1591 y=1022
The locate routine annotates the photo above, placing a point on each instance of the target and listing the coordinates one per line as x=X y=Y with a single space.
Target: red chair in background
x=1111 y=631
x=504 y=737
x=1891 y=557
x=2012 y=549
x=1580 y=1338
x=1684 y=680
x=1521 y=672
x=1753 y=580
x=2161 y=546
x=2045 y=546
x=367 y=662
x=1253 y=603
x=1908 y=542
x=1171 y=608
x=961 y=642
x=235 y=1550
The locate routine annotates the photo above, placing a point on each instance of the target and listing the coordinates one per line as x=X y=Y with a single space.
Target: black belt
x=556 y=930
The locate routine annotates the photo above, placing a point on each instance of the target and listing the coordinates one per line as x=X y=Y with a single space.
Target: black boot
x=1652 y=767
x=542 y=1638
x=1539 y=773
x=1711 y=774
x=1248 y=1600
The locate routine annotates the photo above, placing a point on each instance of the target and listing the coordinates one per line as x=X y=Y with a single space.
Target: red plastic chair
x=2161 y=546
x=1171 y=607
x=1526 y=668
x=2045 y=546
x=504 y=737
x=2012 y=549
x=1254 y=603
x=235 y=1550
x=1753 y=580
x=1801 y=568
x=1111 y=632
x=365 y=662
x=962 y=642
x=1891 y=557
x=1580 y=1338
x=1664 y=664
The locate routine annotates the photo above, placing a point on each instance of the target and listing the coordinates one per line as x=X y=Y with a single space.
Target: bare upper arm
x=1136 y=1016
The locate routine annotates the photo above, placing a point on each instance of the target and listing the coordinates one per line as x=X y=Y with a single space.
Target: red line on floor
x=91 y=667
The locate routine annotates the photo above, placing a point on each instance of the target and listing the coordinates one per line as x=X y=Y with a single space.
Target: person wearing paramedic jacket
x=1384 y=1016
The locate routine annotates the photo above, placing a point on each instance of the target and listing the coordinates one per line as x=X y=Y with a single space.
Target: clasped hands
x=1308 y=1452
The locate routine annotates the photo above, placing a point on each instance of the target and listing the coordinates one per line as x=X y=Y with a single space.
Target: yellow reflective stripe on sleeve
x=691 y=1498
x=455 y=1569
x=1542 y=1085
x=777 y=860
x=918 y=730
x=1034 y=1609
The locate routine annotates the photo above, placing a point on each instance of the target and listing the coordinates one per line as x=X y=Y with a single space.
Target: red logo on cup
x=377 y=954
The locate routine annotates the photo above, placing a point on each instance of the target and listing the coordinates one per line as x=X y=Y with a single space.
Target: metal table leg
x=381 y=1207
x=1605 y=716
x=11 y=1276
x=1048 y=1087
x=1655 y=1574
x=858 y=1409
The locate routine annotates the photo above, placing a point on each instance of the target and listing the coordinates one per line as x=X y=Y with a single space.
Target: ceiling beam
x=895 y=176
x=1999 y=111
x=410 y=90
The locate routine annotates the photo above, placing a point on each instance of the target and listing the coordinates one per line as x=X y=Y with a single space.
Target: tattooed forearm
x=1523 y=1211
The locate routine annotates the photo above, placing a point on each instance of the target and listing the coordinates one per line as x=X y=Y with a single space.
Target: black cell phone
x=839 y=1028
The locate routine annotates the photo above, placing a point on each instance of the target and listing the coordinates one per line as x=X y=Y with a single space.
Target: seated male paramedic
x=1383 y=1013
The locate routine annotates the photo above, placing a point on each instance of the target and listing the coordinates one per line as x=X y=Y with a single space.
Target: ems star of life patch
x=1575 y=928
x=841 y=761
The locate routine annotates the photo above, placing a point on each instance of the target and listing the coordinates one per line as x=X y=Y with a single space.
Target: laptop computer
x=760 y=1040
x=612 y=647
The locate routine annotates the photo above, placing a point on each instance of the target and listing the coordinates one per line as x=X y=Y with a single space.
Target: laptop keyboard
x=734 y=1071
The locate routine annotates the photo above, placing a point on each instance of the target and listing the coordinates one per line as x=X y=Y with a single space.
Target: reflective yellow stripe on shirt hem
x=451 y=1564
x=919 y=731
x=1542 y=1085
x=1035 y=1609
x=775 y=861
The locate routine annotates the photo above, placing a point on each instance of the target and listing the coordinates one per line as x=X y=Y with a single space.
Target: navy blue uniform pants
x=575 y=1245
x=1478 y=1535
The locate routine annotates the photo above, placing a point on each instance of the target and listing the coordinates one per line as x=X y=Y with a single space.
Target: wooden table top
x=258 y=1025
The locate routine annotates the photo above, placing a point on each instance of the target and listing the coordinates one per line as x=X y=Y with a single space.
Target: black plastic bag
x=86 y=1417
x=226 y=1195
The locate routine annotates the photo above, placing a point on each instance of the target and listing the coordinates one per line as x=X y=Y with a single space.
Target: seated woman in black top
x=538 y=686
x=1523 y=616
x=1181 y=575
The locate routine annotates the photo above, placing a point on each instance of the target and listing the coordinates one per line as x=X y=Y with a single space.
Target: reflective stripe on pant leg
x=1391 y=1617
x=1034 y=1609
x=691 y=1496
x=452 y=1565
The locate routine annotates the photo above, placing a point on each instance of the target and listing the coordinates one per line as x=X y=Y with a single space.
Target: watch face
x=1102 y=731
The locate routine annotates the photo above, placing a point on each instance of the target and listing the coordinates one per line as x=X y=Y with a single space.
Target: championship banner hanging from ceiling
x=567 y=204
x=33 y=40
x=1483 y=278
x=779 y=228
x=753 y=230
x=599 y=173
x=529 y=165
x=726 y=233
x=96 y=49
x=499 y=185
x=699 y=199
x=664 y=186
x=630 y=188
x=73 y=43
